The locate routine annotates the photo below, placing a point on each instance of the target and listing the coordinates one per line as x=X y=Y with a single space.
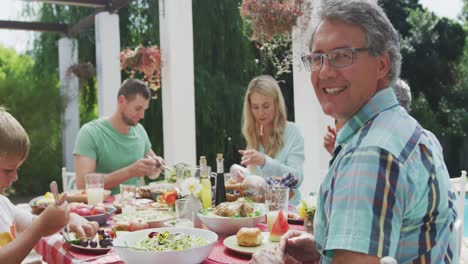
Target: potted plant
x=269 y=18
x=144 y=60
x=83 y=71
x=269 y=23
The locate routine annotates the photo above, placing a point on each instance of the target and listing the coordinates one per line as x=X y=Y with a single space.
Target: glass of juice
x=94 y=188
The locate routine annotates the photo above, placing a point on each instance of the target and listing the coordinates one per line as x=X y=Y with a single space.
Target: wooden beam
x=35 y=26
x=71 y=31
x=84 y=23
x=85 y=3
x=117 y=4
x=88 y=21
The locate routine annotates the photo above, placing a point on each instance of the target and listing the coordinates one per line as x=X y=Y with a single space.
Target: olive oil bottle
x=205 y=192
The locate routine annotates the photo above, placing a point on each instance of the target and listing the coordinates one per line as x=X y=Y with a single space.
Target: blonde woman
x=275 y=146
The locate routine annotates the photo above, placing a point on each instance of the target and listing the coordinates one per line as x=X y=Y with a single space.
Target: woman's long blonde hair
x=267 y=86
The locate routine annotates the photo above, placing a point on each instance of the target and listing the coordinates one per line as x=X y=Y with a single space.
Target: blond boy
x=19 y=229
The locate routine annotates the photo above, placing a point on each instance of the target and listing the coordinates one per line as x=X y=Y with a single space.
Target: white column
x=68 y=55
x=178 y=84
x=107 y=61
x=309 y=117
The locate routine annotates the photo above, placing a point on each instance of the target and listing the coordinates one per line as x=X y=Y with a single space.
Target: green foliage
x=36 y=104
x=435 y=60
x=224 y=64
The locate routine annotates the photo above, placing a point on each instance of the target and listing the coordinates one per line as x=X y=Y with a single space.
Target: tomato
x=97 y=209
x=170 y=197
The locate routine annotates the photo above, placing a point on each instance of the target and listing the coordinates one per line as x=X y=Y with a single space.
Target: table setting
x=174 y=225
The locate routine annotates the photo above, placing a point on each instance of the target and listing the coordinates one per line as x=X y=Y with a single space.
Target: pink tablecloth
x=55 y=251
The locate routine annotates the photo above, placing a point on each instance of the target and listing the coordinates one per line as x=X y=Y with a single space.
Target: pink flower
x=145 y=60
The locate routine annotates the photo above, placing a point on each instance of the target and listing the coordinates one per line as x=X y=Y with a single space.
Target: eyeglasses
x=339 y=58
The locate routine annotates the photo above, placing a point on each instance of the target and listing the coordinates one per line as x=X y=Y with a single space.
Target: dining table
x=54 y=250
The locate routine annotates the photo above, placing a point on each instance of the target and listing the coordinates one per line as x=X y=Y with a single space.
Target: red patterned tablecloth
x=55 y=251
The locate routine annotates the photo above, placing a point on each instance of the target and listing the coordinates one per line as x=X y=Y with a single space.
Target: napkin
x=286 y=181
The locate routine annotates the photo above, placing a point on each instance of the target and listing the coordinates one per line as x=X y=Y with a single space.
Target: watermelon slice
x=280 y=227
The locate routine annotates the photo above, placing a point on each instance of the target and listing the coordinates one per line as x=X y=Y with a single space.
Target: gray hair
x=379 y=32
x=403 y=94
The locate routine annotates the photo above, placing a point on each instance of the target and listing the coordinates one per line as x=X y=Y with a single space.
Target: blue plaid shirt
x=387 y=192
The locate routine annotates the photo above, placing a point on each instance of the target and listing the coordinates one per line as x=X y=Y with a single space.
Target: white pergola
x=178 y=94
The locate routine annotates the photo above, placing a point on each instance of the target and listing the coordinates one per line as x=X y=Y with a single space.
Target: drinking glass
x=127 y=196
x=276 y=199
x=94 y=188
x=187 y=208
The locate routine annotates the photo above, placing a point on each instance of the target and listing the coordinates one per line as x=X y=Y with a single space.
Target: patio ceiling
x=68 y=30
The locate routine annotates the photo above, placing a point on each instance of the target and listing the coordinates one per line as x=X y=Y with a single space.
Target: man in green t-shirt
x=118 y=146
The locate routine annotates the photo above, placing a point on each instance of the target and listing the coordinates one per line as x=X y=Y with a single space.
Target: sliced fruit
x=279 y=228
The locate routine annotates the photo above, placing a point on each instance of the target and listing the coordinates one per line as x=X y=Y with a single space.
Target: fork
x=54 y=190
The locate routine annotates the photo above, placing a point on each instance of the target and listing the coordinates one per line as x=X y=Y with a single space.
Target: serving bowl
x=124 y=246
x=230 y=225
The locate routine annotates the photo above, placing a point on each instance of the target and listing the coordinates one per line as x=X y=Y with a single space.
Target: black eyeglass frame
x=308 y=65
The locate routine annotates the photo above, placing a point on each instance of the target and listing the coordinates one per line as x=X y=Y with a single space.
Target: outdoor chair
x=459 y=187
x=68 y=180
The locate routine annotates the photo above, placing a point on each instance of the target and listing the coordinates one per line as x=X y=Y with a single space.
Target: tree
x=24 y=95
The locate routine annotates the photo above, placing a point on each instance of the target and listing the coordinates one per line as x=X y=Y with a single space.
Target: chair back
x=459 y=188
x=68 y=180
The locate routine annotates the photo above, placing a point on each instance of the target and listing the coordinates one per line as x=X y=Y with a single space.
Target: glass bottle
x=220 y=192
x=205 y=192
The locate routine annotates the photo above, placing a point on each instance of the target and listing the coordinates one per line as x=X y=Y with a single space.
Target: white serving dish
x=187 y=256
x=229 y=225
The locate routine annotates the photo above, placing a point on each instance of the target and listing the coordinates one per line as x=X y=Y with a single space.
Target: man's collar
x=382 y=100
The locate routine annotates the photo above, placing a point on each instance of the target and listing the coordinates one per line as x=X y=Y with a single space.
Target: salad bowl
x=230 y=225
x=128 y=246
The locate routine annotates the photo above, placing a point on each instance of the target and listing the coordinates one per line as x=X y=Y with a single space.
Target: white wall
x=309 y=116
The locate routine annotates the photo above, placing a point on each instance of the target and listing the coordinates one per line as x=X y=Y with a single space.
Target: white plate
x=231 y=243
x=187 y=256
x=36 y=208
x=97 y=249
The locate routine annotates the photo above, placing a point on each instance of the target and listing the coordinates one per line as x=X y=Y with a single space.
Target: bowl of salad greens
x=229 y=224
x=165 y=245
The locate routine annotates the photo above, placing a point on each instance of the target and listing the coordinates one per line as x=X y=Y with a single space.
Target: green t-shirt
x=112 y=150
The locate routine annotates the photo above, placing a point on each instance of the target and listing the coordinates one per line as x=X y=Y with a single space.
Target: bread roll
x=249 y=237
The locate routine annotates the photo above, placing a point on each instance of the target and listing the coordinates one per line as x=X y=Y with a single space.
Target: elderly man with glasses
x=387 y=190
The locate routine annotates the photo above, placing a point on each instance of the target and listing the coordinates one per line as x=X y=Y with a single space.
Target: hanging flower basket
x=144 y=60
x=269 y=18
x=269 y=23
x=83 y=71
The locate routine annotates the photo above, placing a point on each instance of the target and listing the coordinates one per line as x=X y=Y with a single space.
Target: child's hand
x=82 y=227
x=53 y=219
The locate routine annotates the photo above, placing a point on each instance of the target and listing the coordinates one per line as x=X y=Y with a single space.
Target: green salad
x=167 y=241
